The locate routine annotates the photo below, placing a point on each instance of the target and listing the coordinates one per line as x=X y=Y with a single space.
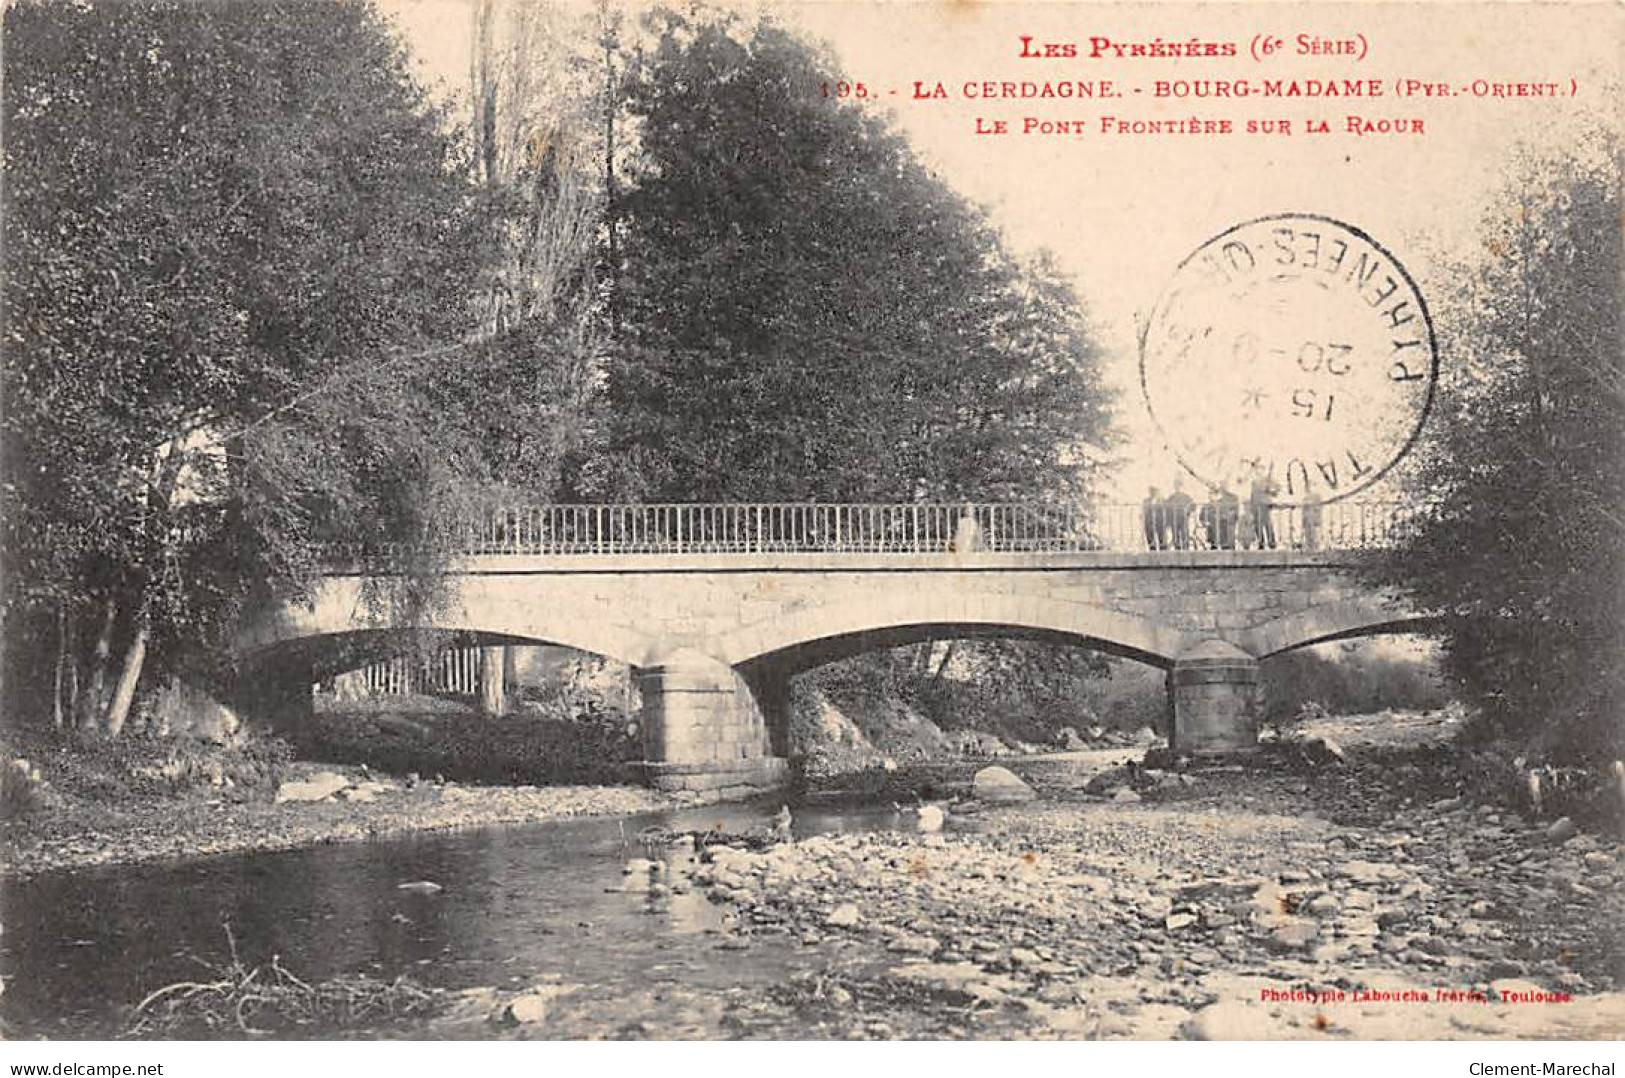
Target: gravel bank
x=80 y=835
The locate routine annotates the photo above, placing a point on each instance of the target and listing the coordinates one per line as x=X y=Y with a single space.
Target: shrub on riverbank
x=23 y=790
x=465 y=746
x=81 y=766
x=1350 y=680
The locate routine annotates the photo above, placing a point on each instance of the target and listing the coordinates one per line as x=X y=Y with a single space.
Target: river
x=515 y=904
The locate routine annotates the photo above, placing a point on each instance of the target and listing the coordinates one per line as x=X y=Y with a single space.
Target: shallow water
x=517 y=903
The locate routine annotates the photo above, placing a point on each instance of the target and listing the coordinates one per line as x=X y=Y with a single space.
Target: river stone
x=910 y=943
x=1125 y=795
x=1365 y=872
x=1225 y=887
x=420 y=887
x=1292 y=934
x=366 y=791
x=1561 y=830
x=1359 y=925
x=1155 y=907
x=534 y=1005
x=1024 y=957
x=930 y=818
x=843 y=916
x=1322 y=906
x=1001 y=785
x=318 y=787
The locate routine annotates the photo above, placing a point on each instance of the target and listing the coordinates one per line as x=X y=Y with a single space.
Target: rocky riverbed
x=1227 y=905
x=1144 y=922
x=1343 y=890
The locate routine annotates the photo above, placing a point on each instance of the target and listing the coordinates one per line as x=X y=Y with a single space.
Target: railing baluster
x=871 y=528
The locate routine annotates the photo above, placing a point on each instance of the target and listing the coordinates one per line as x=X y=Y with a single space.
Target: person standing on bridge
x=1151 y=519
x=967 y=533
x=1260 y=501
x=1177 y=508
x=1227 y=511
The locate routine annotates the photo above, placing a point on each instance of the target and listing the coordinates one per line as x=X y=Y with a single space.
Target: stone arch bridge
x=715 y=623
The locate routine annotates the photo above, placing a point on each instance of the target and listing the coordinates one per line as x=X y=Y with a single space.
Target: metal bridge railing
x=1016 y=527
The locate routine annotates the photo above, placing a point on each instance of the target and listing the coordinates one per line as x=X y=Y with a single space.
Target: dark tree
x=237 y=239
x=1522 y=549
x=808 y=313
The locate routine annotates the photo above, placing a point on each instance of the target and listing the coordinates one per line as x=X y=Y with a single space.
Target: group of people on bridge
x=1223 y=521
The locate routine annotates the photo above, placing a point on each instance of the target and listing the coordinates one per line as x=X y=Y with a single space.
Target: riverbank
x=1239 y=906
x=79 y=833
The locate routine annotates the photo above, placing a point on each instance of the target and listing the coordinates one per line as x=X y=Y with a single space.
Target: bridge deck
x=876 y=561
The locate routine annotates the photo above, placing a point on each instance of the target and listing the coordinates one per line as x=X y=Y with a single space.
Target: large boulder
x=1000 y=785
x=319 y=787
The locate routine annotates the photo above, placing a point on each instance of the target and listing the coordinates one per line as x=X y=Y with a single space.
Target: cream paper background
x=1119 y=212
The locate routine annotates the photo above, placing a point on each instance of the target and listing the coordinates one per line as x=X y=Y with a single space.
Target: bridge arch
x=976 y=613
x=339 y=609
x=1331 y=621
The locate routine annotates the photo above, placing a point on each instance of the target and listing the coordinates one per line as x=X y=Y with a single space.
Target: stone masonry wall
x=637 y=608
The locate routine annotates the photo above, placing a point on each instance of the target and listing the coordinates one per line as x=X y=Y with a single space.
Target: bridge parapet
x=920 y=528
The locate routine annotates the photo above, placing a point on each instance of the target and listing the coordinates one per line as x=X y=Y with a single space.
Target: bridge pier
x=494 y=665
x=703 y=730
x=1215 y=701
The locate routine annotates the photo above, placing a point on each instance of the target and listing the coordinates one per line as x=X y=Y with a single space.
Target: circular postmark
x=1293 y=344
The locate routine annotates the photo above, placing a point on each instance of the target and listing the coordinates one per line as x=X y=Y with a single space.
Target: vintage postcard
x=817 y=521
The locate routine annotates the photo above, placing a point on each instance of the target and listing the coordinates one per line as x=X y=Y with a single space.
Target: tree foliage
x=806 y=312
x=1524 y=471
x=240 y=249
